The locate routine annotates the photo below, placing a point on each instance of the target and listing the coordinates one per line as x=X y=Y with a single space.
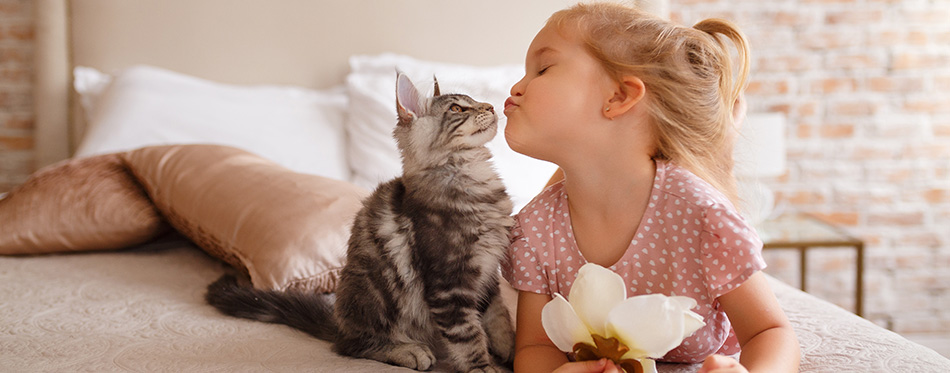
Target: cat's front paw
x=503 y=346
x=501 y=337
x=412 y=356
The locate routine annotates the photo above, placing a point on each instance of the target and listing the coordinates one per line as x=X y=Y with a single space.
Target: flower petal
x=595 y=292
x=692 y=320
x=562 y=325
x=649 y=365
x=650 y=325
x=685 y=303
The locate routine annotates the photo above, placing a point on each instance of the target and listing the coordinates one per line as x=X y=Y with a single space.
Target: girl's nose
x=518 y=88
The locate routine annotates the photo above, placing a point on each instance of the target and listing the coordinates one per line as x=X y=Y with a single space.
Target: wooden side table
x=800 y=231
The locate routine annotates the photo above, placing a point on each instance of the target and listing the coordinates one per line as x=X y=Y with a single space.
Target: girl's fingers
x=720 y=363
x=590 y=366
x=612 y=368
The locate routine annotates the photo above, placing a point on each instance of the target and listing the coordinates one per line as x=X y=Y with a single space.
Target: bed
x=137 y=105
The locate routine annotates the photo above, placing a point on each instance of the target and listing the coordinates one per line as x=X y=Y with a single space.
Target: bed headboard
x=298 y=42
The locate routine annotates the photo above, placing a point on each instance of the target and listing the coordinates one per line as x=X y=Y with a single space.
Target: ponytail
x=730 y=87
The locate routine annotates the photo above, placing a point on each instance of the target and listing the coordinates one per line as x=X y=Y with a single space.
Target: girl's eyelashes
x=544 y=69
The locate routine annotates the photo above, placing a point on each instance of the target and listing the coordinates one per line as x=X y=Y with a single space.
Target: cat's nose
x=488 y=108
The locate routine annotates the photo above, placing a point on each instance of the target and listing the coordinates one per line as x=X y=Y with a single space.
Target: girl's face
x=552 y=109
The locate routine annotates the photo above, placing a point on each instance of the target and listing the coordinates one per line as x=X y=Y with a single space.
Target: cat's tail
x=311 y=313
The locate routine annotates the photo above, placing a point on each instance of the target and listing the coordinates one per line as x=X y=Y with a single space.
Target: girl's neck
x=606 y=206
x=609 y=187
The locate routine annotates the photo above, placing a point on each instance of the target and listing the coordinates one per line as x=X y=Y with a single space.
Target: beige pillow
x=284 y=229
x=76 y=205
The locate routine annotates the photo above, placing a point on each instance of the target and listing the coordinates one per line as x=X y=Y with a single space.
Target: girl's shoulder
x=682 y=187
x=547 y=200
x=686 y=195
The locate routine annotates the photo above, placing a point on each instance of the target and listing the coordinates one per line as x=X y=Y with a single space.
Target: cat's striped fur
x=422 y=275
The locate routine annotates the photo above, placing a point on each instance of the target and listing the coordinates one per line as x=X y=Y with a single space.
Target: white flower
x=649 y=325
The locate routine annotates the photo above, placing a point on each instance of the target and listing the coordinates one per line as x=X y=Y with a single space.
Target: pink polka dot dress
x=691 y=242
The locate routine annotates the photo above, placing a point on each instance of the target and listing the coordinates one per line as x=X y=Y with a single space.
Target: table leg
x=803 y=267
x=859 y=281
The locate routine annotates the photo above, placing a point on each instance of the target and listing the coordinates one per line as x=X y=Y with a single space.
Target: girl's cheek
x=535 y=92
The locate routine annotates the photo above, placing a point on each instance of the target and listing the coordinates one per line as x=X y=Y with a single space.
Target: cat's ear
x=436 y=80
x=408 y=101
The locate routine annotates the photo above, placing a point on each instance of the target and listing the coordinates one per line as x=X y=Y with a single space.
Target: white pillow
x=299 y=128
x=372 y=115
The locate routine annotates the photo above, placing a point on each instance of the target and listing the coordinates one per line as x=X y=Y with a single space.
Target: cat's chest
x=488 y=219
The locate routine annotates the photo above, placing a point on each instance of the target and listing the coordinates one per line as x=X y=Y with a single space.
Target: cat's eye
x=456 y=108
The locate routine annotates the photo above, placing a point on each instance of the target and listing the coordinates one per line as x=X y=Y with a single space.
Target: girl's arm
x=534 y=351
x=767 y=338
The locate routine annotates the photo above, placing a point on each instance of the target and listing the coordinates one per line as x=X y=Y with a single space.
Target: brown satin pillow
x=284 y=229
x=77 y=205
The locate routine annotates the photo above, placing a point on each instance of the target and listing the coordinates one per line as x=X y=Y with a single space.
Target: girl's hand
x=590 y=366
x=721 y=364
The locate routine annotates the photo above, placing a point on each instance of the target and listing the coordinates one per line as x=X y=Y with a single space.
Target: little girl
x=638 y=114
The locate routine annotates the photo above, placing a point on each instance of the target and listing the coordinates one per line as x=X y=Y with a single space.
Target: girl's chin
x=520 y=148
x=522 y=142
x=513 y=143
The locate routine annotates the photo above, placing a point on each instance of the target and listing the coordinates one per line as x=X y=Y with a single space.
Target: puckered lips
x=510 y=104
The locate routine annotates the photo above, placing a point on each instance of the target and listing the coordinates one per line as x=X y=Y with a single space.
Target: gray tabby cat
x=423 y=259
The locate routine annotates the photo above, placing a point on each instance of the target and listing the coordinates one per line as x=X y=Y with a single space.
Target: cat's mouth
x=485 y=123
x=485 y=126
x=483 y=129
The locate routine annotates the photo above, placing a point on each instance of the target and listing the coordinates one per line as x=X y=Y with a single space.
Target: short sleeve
x=732 y=251
x=523 y=269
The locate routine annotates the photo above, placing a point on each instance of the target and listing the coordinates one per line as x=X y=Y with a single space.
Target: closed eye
x=542 y=71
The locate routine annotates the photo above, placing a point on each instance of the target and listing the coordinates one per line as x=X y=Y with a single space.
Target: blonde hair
x=688 y=74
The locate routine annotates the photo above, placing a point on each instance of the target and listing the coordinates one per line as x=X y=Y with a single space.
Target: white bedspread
x=143 y=311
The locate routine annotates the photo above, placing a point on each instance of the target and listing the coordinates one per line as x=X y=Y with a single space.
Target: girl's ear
x=408 y=101
x=627 y=93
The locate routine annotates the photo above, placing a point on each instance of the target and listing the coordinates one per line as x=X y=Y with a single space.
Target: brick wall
x=16 y=102
x=865 y=85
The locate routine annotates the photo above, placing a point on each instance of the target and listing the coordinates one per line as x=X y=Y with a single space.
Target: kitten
x=422 y=272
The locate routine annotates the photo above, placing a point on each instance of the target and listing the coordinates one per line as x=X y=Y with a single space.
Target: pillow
x=298 y=128
x=286 y=230
x=373 y=155
x=76 y=205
